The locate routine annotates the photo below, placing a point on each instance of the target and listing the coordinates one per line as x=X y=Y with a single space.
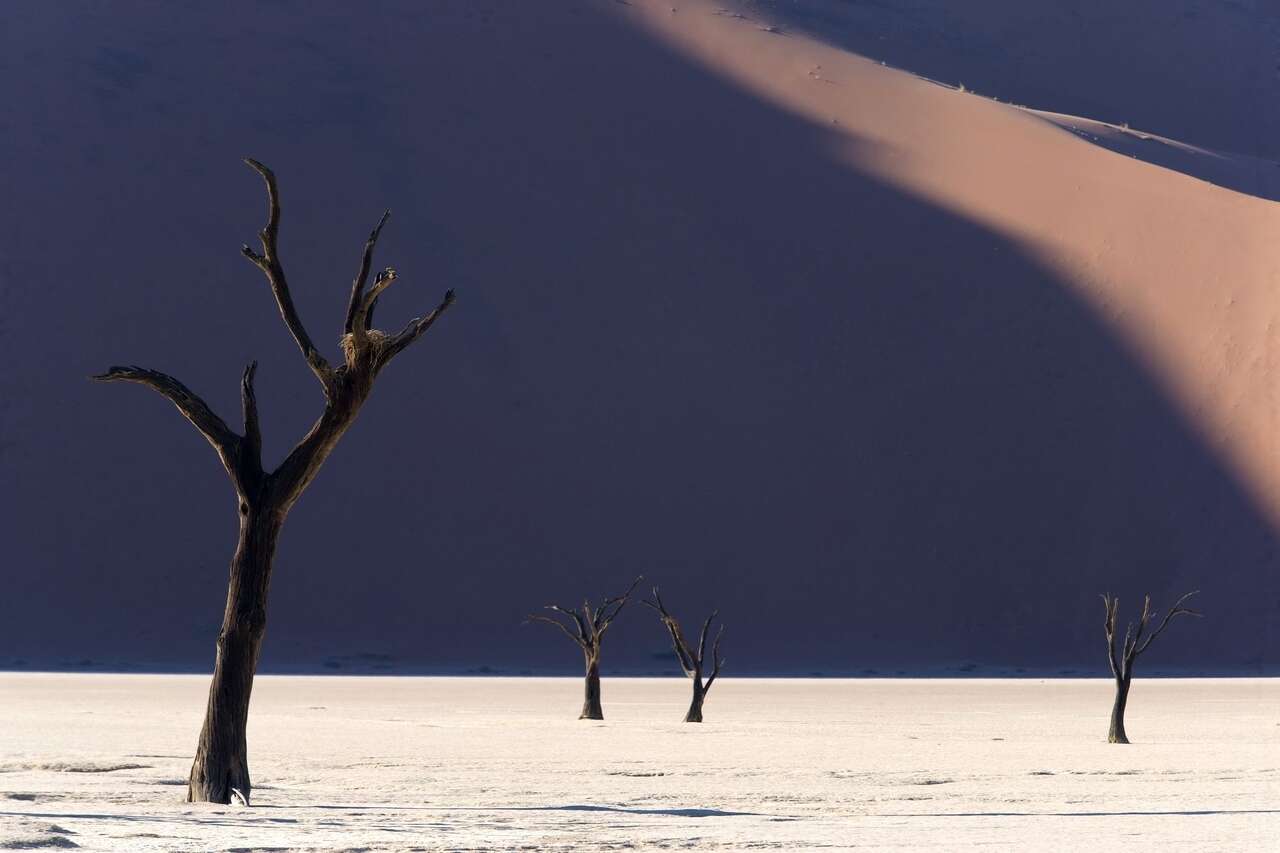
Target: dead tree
x=587 y=630
x=691 y=663
x=264 y=497
x=1133 y=646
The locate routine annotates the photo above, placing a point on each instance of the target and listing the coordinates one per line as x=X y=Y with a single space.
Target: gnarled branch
x=269 y=263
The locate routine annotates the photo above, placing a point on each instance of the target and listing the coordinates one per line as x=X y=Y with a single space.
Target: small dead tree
x=264 y=497
x=692 y=664
x=587 y=630
x=1133 y=646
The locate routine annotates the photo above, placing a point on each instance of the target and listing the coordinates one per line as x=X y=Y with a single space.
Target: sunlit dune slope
x=1185 y=273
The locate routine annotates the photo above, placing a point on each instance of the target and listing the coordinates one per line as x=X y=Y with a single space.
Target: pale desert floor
x=350 y=763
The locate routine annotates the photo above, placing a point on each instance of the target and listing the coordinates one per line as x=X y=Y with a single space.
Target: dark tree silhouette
x=691 y=663
x=587 y=630
x=264 y=497
x=1133 y=646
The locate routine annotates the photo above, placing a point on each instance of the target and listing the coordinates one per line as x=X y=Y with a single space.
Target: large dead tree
x=692 y=663
x=586 y=627
x=264 y=497
x=1134 y=645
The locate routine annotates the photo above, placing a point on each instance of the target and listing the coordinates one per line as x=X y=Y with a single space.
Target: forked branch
x=1134 y=643
x=588 y=624
x=692 y=664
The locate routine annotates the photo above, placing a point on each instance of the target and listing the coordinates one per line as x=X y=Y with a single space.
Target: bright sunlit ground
x=350 y=763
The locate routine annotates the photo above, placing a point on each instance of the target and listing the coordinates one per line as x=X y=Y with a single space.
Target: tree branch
x=1176 y=610
x=269 y=263
x=604 y=617
x=719 y=661
x=194 y=409
x=249 y=406
x=381 y=283
x=357 y=285
x=677 y=636
x=702 y=640
x=577 y=619
x=188 y=403
x=1111 y=604
x=413 y=331
x=535 y=617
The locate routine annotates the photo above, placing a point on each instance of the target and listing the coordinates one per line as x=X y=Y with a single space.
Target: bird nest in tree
x=349 y=345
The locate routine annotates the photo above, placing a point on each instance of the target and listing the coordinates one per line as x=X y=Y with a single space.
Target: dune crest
x=1185 y=271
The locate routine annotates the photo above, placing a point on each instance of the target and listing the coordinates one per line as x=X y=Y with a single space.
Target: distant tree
x=1133 y=646
x=692 y=663
x=264 y=497
x=587 y=630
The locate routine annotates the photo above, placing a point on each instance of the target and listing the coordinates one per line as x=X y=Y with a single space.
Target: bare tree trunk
x=1133 y=645
x=221 y=764
x=1117 y=734
x=591 y=709
x=587 y=628
x=690 y=661
x=695 y=706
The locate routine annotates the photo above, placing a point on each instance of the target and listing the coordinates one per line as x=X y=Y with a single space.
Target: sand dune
x=1156 y=64
x=896 y=375
x=1183 y=271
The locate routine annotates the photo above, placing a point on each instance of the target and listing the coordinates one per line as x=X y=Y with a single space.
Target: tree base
x=218 y=782
x=591 y=707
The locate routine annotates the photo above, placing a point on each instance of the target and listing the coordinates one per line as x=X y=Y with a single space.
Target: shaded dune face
x=692 y=341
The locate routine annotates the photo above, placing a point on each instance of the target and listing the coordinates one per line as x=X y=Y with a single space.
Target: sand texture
x=381 y=764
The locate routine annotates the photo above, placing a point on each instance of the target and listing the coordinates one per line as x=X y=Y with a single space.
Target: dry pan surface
x=98 y=762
